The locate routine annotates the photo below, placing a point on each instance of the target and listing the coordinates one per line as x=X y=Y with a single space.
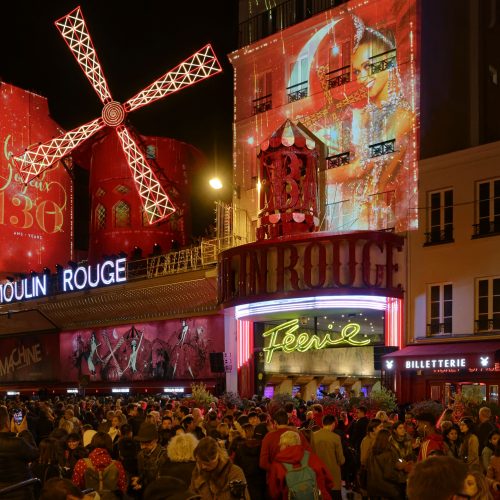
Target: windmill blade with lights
x=201 y=65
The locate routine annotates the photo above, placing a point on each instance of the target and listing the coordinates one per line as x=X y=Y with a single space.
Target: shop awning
x=446 y=349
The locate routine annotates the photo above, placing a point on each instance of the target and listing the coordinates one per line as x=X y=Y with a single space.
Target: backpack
x=105 y=482
x=301 y=481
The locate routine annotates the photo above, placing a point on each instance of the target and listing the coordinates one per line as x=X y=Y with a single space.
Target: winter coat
x=358 y=432
x=100 y=459
x=15 y=456
x=486 y=457
x=276 y=479
x=247 y=456
x=214 y=485
x=383 y=478
x=366 y=448
x=429 y=444
x=150 y=464
x=403 y=448
x=328 y=446
x=469 y=450
x=180 y=470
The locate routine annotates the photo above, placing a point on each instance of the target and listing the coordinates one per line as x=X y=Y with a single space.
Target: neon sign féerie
x=283 y=338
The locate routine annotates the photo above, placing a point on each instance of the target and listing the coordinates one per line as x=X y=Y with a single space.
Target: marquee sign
x=71 y=279
x=285 y=338
x=347 y=263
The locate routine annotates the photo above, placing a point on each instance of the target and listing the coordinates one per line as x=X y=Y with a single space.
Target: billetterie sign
x=69 y=280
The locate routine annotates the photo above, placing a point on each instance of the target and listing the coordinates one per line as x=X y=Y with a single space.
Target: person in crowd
x=385 y=475
x=437 y=478
x=431 y=440
x=328 y=447
x=270 y=443
x=181 y=462
x=215 y=476
x=135 y=416
x=211 y=422
x=484 y=428
x=374 y=426
x=63 y=489
x=452 y=441
x=294 y=455
x=165 y=433
x=47 y=465
x=114 y=429
x=489 y=449
x=493 y=470
x=262 y=428
x=45 y=424
x=189 y=425
x=15 y=457
x=359 y=428
x=469 y=449
x=402 y=443
x=87 y=471
x=476 y=486
x=247 y=456
x=384 y=418
x=69 y=422
x=73 y=451
x=150 y=459
x=317 y=415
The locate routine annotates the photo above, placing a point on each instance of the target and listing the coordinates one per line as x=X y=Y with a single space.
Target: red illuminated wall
x=35 y=220
x=164 y=350
x=357 y=69
x=29 y=358
x=117 y=222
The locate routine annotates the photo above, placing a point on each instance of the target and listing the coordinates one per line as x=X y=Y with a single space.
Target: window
x=488 y=304
x=440 y=217
x=298 y=85
x=122 y=214
x=100 y=217
x=439 y=309
x=263 y=93
x=488 y=208
x=340 y=65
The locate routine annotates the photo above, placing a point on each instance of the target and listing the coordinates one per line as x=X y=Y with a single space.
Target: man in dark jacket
x=15 y=456
x=358 y=429
x=484 y=427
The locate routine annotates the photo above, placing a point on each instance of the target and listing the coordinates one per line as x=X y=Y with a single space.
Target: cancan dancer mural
x=166 y=350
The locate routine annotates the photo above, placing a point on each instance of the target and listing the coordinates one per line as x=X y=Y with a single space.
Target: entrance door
x=436 y=392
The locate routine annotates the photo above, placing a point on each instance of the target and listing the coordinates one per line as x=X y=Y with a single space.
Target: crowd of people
x=160 y=448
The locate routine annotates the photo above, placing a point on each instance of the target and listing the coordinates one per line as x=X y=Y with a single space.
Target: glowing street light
x=215 y=183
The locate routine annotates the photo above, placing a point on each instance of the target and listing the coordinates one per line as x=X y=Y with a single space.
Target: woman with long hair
x=452 y=441
x=489 y=449
x=48 y=464
x=384 y=479
x=469 y=449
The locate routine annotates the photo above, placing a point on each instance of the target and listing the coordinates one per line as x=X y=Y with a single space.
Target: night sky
x=135 y=44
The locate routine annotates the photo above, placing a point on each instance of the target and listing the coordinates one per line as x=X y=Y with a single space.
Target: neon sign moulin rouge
x=283 y=338
x=361 y=260
x=79 y=278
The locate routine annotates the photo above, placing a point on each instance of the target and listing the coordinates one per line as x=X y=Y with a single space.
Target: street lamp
x=215 y=183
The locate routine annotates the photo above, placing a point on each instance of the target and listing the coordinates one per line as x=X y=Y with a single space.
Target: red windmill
x=34 y=161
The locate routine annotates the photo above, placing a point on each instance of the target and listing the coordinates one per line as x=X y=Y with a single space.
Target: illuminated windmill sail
x=34 y=161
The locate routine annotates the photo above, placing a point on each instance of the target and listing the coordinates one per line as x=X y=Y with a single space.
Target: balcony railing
x=487 y=325
x=382 y=148
x=486 y=228
x=297 y=91
x=435 y=328
x=280 y=17
x=339 y=77
x=338 y=160
x=439 y=236
x=262 y=104
x=382 y=62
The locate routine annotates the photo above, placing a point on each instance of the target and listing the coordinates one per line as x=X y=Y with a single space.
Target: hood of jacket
x=291 y=454
x=100 y=458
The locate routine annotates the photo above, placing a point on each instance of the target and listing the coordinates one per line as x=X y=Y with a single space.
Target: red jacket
x=271 y=446
x=293 y=455
x=429 y=444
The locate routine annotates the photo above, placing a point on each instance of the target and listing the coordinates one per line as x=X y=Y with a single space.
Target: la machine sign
x=68 y=280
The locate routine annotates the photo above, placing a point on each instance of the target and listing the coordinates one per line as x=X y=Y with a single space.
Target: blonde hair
x=382 y=415
x=181 y=448
x=289 y=438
